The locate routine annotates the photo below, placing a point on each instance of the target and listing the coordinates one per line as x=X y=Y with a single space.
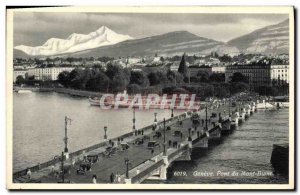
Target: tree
x=64 y=78
x=239 y=77
x=20 y=80
x=112 y=70
x=139 y=78
x=99 y=82
x=133 y=89
x=76 y=77
x=217 y=77
x=238 y=87
x=182 y=66
x=202 y=76
x=157 y=77
x=119 y=82
x=174 y=77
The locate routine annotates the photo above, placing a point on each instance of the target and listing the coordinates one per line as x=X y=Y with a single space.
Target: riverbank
x=73 y=92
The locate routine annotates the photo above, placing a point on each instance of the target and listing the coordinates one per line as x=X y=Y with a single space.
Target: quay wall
x=74 y=92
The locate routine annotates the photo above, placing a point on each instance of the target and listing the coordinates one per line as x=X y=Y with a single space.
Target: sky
x=35 y=28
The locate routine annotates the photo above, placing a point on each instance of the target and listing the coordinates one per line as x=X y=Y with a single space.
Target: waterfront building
x=50 y=73
x=279 y=74
x=218 y=69
x=257 y=74
x=19 y=72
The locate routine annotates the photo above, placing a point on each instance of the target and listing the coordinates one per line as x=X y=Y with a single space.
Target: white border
x=217 y=9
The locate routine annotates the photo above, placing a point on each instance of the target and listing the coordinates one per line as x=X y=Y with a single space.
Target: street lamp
x=133 y=120
x=155 y=120
x=164 y=138
x=105 y=130
x=62 y=168
x=127 y=162
x=206 y=128
x=66 y=150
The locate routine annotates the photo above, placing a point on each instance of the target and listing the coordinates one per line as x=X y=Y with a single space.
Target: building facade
x=48 y=73
x=258 y=75
x=279 y=74
x=218 y=69
x=19 y=72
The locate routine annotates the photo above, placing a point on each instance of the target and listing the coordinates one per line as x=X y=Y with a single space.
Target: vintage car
x=152 y=144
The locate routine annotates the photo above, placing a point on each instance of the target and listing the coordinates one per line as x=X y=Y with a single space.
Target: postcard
x=150 y=98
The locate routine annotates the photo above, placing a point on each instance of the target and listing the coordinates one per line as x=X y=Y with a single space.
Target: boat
x=94 y=101
x=144 y=103
x=265 y=105
x=24 y=91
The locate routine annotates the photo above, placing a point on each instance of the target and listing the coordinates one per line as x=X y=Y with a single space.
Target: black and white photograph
x=150 y=98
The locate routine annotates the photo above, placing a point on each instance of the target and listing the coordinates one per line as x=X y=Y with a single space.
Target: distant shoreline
x=73 y=92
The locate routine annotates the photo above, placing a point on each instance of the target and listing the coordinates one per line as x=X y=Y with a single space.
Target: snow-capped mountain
x=75 y=43
x=168 y=44
x=273 y=39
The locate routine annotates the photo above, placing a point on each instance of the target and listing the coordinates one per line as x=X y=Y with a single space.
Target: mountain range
x=75 y=42
x=273 y=39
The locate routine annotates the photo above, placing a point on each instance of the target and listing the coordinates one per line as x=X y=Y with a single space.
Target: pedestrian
x=28 y=173
x=73 y=162
x=94 y=179
x=170 y=142
x=112 y=178
x=118 y=178
x=181 y=135
x=112 y=144
x=152 y=151
x=142 y=132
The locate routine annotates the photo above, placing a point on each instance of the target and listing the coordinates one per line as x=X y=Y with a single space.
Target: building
x=133 y=60
x=47 y=73
x=218 y=69
x=279 y=74
x=258 y=75
x=19 y=72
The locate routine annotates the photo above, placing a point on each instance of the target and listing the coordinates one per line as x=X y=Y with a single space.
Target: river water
x=38 y=131
x=244 y=153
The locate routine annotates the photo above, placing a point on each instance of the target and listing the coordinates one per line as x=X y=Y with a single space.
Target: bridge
x=177 y=139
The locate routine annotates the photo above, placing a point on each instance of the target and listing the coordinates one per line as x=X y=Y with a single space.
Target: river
x=245 y=152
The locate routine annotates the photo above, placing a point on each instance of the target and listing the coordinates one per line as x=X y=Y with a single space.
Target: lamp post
x=206 y=128
x=155 y=119
x=133 y=121
x=66 y=150
x=127 y=162
x=105 y=130
x=164 y=138
x=62 y=168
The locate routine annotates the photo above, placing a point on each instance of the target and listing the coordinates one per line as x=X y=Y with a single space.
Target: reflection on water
x=38 y=125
